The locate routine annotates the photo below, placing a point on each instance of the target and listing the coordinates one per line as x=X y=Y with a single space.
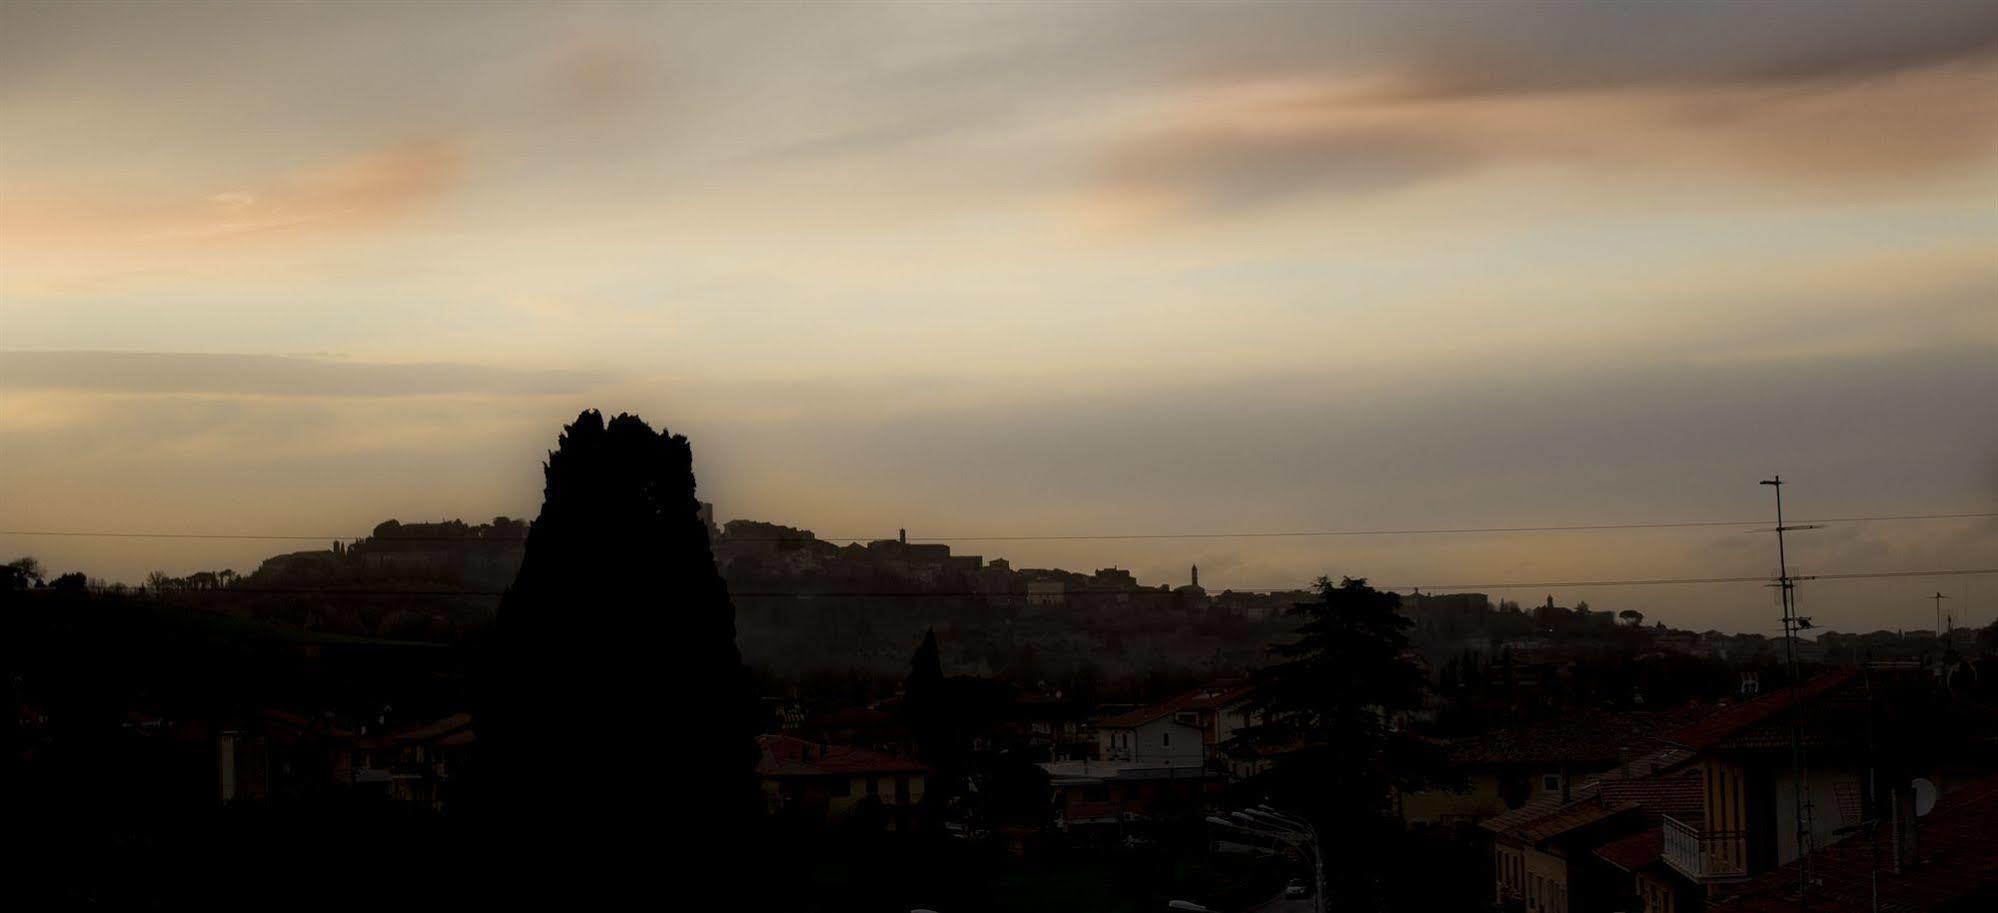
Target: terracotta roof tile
x=786 y=756
x=1635 y=851
x=1573 y=817
x=1206 y=697
x=1589 y=736
x=1739 y=719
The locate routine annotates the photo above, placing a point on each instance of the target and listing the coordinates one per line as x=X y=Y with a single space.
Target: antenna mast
x=1800 y=793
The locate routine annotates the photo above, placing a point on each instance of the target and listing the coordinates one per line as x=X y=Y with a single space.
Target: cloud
x=1530 y=48
x=1236 y=145
x=353 y=192
x=160 y=373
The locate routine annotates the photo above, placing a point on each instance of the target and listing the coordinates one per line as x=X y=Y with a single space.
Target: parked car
x=1296 y=888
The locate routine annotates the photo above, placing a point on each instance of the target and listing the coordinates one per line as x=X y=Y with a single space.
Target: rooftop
x=1635 y=851
x=787 y=756
x=1729 y=722
x=1205 y=697
x=1060 y=772
x=1589 y=736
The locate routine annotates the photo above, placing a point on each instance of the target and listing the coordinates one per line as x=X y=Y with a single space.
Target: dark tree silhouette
x=617 y=719
x=926 y=712
x=1331 y=705
x=26 y=569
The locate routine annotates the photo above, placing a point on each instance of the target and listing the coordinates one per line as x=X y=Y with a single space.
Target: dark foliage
x=614 y=657
x=1333 y=705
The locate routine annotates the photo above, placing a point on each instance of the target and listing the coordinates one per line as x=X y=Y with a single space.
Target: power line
x=928 y=594
x=1668 y=581
x=1056 y=537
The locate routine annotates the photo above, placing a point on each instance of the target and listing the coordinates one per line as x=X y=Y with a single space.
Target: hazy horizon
x=1008 y=270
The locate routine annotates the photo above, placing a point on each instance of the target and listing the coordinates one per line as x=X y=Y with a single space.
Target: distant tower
x=902 y=536
x=1196 y=575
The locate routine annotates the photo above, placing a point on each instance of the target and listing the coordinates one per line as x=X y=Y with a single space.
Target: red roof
x=1635 y=851
x=432 y=731
x=1571 y=818
x=1588 y=736
x=287 y=726
x=788 y=756
x=1528 y=812
x=1206 y=697
x=1681 y=794
x=1732 y=721
x=1957 y=850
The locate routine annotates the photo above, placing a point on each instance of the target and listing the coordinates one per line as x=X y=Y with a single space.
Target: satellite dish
x=1925 y=796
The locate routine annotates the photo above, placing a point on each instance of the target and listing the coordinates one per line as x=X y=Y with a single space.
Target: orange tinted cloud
x=1234 y=145
x=355 y=192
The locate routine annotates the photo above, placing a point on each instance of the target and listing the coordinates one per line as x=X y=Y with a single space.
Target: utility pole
x=1939 y=597
x=1800 y=792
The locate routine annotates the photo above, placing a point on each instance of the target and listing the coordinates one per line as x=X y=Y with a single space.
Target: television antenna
x=1792 y=622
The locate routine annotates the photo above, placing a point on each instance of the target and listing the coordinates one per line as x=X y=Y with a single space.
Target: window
x=1096 y=794
x=839 y=787
x=873 y=785
x=1165 y=740
x=1551 y=783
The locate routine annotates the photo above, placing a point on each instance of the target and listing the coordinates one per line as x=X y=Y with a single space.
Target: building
x=1945 y=862
x=1570 y=852
x=1046 y=593
x=1882 y=723
x=1106 y=800
x=829 y=784
x=1189 y=729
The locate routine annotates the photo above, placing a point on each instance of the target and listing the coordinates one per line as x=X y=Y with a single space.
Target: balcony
x=1705 y=857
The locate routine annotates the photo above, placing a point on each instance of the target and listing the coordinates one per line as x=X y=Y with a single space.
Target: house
x=1882 y=724
x=1547 y=855
x=1051 y=726
x=1533 y=847
x=423 y=760
x=1946 y=862
x=414 y=763
x=1107 y=799
x=1157 y=735
x=826 y=783
x=1745 y=759
x=1189 y=728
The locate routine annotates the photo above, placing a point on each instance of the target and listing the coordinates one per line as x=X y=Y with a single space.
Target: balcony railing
x=1705 y=856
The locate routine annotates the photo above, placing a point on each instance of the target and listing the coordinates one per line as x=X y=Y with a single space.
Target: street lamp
x=1264 y=821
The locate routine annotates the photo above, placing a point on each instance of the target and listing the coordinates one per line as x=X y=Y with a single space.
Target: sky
x=1026 y=269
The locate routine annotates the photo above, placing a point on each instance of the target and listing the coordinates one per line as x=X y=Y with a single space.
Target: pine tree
x=1332 y=704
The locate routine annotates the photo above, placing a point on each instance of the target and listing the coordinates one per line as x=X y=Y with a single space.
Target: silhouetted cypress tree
x=618 y=722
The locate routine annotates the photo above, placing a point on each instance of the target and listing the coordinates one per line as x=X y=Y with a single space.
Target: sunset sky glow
x=1000 y=269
